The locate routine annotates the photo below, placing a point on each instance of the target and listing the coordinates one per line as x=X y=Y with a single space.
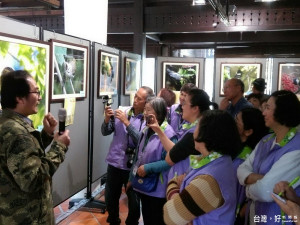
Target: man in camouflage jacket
x=26 y=170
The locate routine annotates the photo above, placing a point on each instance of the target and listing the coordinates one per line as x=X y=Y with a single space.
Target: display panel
x=18 y=53
x=247 y=72
x=175 y=75
x=108 y=73
x=131 y=76
x=69 y=71
x=289 y=77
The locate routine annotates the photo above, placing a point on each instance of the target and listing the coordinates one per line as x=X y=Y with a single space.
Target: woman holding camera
x=196 y=102
x=149 y=165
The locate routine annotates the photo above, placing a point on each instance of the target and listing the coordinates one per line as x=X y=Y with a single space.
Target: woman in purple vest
x=207 y=194
x=196 y=102
x=175 y=113
x=251 y=126
x=275 y=158
x=150 y=160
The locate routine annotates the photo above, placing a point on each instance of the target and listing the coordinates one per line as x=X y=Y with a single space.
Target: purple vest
x=116 y=156
x=241 y=192
x=221 y=169
x=263 y=162
x=175 y=120
x=182 y=166
x=152 y=152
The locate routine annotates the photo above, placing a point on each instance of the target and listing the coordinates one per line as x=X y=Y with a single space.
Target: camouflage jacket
x=26 y=172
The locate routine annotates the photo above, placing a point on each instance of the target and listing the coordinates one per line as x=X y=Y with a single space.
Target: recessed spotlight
x=266 y=0
x=198 y=2
x=215 y=24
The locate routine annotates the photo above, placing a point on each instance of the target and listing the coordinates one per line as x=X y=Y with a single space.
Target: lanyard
x=197 y=161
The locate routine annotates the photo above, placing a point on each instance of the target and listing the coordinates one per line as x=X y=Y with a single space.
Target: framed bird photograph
x=131 y=76
x=289 y=77
x=108 y=73
x=69 y=71
x=19 y=53
x=175 y=74
x=247 y=72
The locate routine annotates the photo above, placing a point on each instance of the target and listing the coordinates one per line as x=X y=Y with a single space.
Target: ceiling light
x=198 y=2
x=266 y=0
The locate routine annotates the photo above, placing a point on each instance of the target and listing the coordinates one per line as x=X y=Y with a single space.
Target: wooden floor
x=88 y=216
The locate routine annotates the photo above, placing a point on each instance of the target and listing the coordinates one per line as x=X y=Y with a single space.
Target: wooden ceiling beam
x=29 y=3
x=24 y=12
x=53 y=3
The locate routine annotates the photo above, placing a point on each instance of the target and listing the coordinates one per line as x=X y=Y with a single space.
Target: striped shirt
x=201 y=196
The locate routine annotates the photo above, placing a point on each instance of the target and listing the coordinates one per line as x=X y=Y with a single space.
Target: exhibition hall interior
x=146 y=43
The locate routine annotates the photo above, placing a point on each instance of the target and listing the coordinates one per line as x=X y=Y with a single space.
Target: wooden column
x=139 y=37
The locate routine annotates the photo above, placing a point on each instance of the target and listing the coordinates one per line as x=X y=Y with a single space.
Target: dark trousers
x=152 y=209
x=116 y=179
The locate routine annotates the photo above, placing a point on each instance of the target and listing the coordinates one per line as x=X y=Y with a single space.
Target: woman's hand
x=153 y=124
x=287 y=191
x=290 y=208
x=141 y=171
x=253 y=178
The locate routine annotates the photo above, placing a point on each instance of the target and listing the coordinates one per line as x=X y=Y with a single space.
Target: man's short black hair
x=14 y=84
x=259 y=84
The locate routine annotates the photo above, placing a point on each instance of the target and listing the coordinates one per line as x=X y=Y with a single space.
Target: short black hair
x=160 y=107
x=253 y=119
x=187 y=87
x=14 y=84
x=257 y=96
x=218 y=130
x=259 y=84
x=287 y=111
x=201 y=99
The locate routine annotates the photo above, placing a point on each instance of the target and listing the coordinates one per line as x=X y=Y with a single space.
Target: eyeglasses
x=36 y=92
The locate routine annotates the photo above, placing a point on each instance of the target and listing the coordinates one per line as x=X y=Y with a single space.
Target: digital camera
x=130 y=152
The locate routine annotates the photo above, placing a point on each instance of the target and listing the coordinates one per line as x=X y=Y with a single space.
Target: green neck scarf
x=289 y=136
x=245 y=153
x=188 y=126
x=197 y=161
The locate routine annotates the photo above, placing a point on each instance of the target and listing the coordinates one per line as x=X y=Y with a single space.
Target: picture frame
x=131 y=75
x=247 y=72
x=108 y=73
x=289 y=77
x=19 y=53
x=176 y=74
x=69 y=71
